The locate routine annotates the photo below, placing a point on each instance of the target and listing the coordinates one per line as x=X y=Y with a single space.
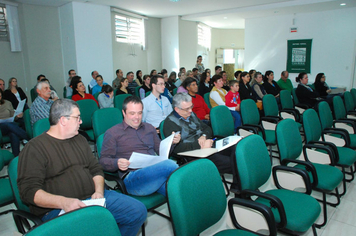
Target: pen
x=214 y=139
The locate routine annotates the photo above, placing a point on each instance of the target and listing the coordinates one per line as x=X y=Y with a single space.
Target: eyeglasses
x=160 y=84
x=187 y=109
x=76 y=117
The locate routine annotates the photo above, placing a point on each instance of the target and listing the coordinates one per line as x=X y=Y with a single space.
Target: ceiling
x=224 y=14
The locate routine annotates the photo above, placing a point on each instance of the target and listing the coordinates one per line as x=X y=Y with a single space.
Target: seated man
x=93 y=82
x=132 y=82
x=194 y=133
x=284 y=82
x=42 y=104
x=43 y=77
x=200 y=108
x=156 y=107
x=57 y=170
x=132 y=135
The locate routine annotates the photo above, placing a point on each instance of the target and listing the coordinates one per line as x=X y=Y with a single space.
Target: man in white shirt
x=156 y=107
x=93 y=82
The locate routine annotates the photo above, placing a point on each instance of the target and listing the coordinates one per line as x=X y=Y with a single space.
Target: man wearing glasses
x=57 y=170
x=155 y=106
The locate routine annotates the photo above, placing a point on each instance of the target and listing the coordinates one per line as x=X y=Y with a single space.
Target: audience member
x=218 y=69
x=80 y=94
x=145 y=87
x=195 y=74
x=182 y=69
x=116 y=81
x=99 y=84
x=183 y=87
x=217 y=94
x=153 y=72
x=122 y=89
x=69 y=89
x=252 y=73
x=237 y=75
x=93 y=81
x=156 y=107
x=284 y=82
x=133 y=135
x=200 y=108
x=15 y=94
x=306 y=95
x=270 y=85
x=208 y=71
x=189 y=74
x=106 y=97
x=181 y=78
x=258 y=90
x=57 y=170
x=204 y=85
x=41 y=77
x=163 y=71
x=167 y=84
x=2 y=85
x=132 y=84
x=232 y=101
x=138 y=79
x=200 y=65
x=54 y=95
x=226 y=82
x=321 y=86
x=245 y=90
x=171 y=80
x=42 y=104
x=15 y=132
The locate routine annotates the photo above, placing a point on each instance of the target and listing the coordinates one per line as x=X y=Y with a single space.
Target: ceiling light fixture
x=174 y=0
x=343 y=4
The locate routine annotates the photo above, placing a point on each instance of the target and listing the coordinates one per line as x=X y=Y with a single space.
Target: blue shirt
x=154 y=110
x=40 y=109
x=97 y=89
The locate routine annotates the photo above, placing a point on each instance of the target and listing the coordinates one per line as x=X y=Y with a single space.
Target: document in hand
x=91 y=202
x=139 y=160
x=220 y=145
x=20 y=107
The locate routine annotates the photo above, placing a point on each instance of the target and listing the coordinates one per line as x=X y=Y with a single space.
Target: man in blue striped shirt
x=42 y=104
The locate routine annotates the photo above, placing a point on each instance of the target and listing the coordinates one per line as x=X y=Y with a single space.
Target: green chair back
x=6 y=196
x=104 y=119
x=148 y=93
x=289 y=140
x=89 y=221
x=137 y=91
x=349 y=102
x=6 y=156
x=253 y=162
x=339 y=108
x=175 y=91
x=96 y=95
x=34 y=94
x=222 y=122
x=207 y=99
x=119 y=100
x=295 y=98
x=12 y=170
x=27 y=121
x=87 y=108
x=40 y=126
x=353 y=93
x=270 y=106
x=311 y=124
x=312 y=86
x=161 y=130
x=99 y=143
x=286 y=99
x=325 y=115
x=249 y=112
x=89 y=89
x=196 y=197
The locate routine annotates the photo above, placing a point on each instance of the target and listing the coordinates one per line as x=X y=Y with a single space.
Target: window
x=204 y=36
x=130 y=30
x=3 y=24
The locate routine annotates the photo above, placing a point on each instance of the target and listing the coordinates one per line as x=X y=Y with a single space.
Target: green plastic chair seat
x=297 y=219
x=6 y=192
x=347 y=156
x=6 y=156
x=151 y=201
x=234 y=232
x=90 y=133
x=5 y=139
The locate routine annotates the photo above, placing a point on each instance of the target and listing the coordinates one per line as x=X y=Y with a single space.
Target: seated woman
x=257 y=87
x=217 y=94
x=138 y=79
x=321 y=86
x=15 y=94
x=80 y=94
x=183 y=87
x=122 y=89
x=145 y=87
x=204 y=85
x=169 y=81
x=245 y=90
x=106 y=97
x=100 y=82
x=11 y=129
x=270 y=85
x=306 y=95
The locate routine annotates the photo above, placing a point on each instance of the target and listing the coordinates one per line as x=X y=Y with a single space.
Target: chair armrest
x=348 y=122
x=309 y=167
x=333 y=153
x=292 y=172
x=291 y=111
x=342 y=132
x=248 y=128
x=272 y=119
x=303 y=106
x=329 y=152
x=22 y=219
x=113 y=176
x=264 y=210
x=275 y=202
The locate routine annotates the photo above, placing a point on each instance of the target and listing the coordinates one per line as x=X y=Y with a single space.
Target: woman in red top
x=79 y=93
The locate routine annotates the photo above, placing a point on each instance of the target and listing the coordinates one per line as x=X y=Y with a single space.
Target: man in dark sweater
x=57 y=170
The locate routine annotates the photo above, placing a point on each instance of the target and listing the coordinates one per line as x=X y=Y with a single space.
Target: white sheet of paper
x=11 y=119
x=20 y=107
x=139 y=160
x=224 y=143
x=91 y=202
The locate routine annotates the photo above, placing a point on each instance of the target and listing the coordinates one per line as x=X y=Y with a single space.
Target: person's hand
x=71 y=204
x=176 y=138
x=237 y=108
x=328 y=91
x=97 y=195
x=207 y=117
x=123 y=164
x=208 y=143
x=201 y=140
x=20 y=115
x=277 y=96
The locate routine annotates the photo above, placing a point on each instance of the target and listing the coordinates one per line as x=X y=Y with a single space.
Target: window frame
x=4 y=26
x=129 y=29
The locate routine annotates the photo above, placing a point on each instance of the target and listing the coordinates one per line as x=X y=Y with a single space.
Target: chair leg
x=337 y=195
x=143 y=229
x=314 y=230
x=225 y=185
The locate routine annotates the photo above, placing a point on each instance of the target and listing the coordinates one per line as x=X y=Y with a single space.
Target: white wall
x=170 y=43
x=188 y=44
x=333 y=34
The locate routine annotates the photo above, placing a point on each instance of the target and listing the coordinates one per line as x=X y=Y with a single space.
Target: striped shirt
x=40 y=109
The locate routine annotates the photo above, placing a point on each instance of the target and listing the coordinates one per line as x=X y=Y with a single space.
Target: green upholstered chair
x=104 y=119
x=148 y=93
x=6 y=156
x=137 y=91
x=119 y=100
x=207 y=99
x=151 y=201
x=89 y=89
x=325 y=178
x=96 y=95
x=40 y=126
x=24 y=220
x=288 y=105
x=6 y=196
x=89 y=221
x=340 y=116
x=222 y=122
x=196 y=201
x=353 y=93
x=175 y=91
x=252 y=123
x=313 y=133
x=349 y=104
x=295 y=212
x=296 y=100
x=87 y=108
x=34 y=94
x=27 y=121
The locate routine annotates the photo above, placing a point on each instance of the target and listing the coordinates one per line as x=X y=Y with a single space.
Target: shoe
x=24 y=142
x=7 y=146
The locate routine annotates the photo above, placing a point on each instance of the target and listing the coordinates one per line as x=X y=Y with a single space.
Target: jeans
x=150 y=179
x=129 y=213
x=237 y=119
x=15 y=133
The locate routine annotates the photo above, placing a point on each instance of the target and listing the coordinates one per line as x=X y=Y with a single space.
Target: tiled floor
x=341 y=220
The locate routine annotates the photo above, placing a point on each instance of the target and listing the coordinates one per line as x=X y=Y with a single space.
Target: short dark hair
x=199 y=56
x=195 y=69
x=131 y=99
x=215 y=78
x=118 y=70
x=106 y=89
x=39 y=76
x=233 y=82
x=92 y=73
x=217 y=68
x=222 y=72
x=236 y=74
x=70 y=71
x=154 y=79
x=130 y=72
x=265 y=79
x=186 y=83
x=61 y=107
x=99 y=76
x=182 y=68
